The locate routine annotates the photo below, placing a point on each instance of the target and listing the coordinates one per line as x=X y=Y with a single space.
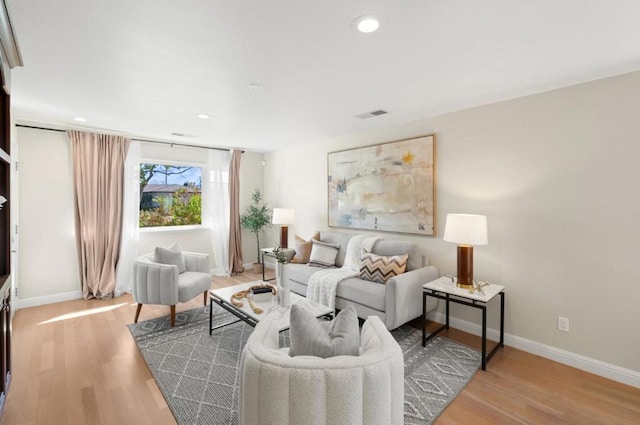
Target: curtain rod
x=133 y=138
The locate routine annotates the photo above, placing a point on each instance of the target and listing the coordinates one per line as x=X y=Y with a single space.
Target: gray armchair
x=157 y=283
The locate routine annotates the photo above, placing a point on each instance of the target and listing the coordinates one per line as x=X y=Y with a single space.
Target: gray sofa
x=396 y=302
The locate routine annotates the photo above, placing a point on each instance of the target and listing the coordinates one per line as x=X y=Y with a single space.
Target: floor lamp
x=466 y=230
x=283 y=217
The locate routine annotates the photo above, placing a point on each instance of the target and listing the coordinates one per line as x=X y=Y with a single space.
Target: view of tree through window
x=170 y=195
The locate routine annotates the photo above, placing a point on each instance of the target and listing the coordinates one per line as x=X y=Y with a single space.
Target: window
x=170 y=195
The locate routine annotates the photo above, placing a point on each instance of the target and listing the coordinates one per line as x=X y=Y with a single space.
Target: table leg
x=424 y=318
x=484 y=337
x=210 y=315
x=447 y=310
x=502 y=319
x=262 y=254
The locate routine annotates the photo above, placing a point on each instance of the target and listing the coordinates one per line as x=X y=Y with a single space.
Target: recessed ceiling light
x=79 y=119
x=204 y=116
x=366 y=23
x=255 y=86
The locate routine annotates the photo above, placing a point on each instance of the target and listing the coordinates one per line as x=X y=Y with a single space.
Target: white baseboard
x=597 y=367
x=47 y=299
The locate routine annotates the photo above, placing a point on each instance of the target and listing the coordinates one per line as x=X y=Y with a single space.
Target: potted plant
x=257 y=218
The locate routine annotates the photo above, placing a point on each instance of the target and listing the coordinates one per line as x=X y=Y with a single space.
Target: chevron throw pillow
x=379 y=268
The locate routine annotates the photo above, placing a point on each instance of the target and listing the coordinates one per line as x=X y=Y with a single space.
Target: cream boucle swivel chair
x=276 y=389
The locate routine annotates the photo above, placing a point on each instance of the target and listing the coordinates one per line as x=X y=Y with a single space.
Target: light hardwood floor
x=75 y=363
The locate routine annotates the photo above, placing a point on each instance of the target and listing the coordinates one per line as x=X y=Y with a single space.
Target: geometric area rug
x=197 y=373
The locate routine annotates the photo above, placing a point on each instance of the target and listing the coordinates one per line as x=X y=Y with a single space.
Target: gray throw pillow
x=169 y=256
x=310 y=337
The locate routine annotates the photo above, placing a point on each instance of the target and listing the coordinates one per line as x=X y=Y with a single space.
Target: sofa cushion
x=192 y=284
x=394 y=247
x=300 y=273
x=303 y=248
x=365 y=292
x=170 y=256
x=310 y=337
x=380 y=268
x=323 y=254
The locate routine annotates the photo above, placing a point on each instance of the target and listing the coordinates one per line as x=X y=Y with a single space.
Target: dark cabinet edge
x=4 y=279
x=4 y=156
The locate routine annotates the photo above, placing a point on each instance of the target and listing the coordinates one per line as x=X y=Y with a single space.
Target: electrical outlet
x=563 y=324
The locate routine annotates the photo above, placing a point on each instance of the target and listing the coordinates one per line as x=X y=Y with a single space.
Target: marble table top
x=447 y=285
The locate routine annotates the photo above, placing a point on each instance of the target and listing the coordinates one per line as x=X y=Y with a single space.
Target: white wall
x=48 y=267
x=47 y=263
x=557 y=175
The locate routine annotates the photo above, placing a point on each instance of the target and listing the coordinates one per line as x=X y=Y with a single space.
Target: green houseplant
x=256 y=218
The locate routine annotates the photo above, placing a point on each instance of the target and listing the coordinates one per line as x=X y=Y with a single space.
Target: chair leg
x=137 y=312
x=205 y=297
x=173 y=315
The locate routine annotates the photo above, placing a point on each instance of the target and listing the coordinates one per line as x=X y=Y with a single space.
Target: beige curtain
x=235 y=237
x=98 y=177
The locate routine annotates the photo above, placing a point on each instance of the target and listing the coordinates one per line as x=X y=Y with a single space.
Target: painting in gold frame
x=388 y=187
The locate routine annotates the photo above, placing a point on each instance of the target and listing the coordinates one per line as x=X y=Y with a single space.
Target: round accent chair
x=276 y=389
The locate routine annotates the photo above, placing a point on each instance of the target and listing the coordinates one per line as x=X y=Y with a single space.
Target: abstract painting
x=388 y=187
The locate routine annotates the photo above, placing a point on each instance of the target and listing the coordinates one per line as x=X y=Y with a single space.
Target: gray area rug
x=198 y=373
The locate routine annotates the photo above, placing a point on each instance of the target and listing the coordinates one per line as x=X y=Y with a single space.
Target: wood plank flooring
x=75 y=363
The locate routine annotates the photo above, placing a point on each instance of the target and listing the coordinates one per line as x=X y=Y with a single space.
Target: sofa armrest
x=196 y=262
x=403 y=295
x=155 y=283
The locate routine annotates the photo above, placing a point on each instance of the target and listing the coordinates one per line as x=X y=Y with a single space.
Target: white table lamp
x=284 y=217
x=466 y=230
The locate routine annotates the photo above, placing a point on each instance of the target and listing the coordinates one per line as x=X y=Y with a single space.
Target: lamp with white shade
x=466 y=230
x=283 y=217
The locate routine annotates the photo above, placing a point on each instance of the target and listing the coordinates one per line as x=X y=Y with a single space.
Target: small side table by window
x=268 y=252
x=445 y=288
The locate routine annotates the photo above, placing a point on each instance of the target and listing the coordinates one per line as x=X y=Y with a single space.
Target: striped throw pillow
x=379 y=268
x=323 y=254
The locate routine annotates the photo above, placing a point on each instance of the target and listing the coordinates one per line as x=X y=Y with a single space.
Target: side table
x=268 y=252
x=445 y=288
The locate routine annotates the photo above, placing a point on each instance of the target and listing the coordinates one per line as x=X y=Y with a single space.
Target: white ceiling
x=147 y=67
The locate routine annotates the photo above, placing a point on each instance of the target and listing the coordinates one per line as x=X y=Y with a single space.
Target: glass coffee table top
x=222 y=297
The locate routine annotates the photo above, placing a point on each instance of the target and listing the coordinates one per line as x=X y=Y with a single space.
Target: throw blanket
x=323 y=283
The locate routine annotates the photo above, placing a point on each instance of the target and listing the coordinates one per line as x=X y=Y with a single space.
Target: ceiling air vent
x=371 y=114
x=189 y=136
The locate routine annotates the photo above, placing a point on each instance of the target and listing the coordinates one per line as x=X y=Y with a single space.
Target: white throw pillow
x=171 y=255
x=323 y=254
